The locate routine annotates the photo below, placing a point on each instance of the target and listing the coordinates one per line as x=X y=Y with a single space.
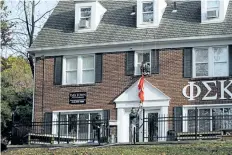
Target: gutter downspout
x=33 y=102
x=42 y=110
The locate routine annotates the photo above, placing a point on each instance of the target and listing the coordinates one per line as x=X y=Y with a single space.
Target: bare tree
x=30 y=23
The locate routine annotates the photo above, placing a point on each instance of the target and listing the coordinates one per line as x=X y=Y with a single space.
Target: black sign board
x=77 y=98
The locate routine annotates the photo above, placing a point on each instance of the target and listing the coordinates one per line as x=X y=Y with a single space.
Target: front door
x=152 y=127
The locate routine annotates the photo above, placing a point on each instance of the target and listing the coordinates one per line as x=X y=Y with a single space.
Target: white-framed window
x=147 y=12
x=209 y=118
x=76 y=125
x=213 y=9
x=142 y=57
x=79 y=69
x=210 y=61
x=85 y=17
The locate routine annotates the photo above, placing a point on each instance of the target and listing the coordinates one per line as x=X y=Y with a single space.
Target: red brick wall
x=101 y=95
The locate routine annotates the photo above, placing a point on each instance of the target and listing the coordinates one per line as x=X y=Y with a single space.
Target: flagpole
x=141 y=96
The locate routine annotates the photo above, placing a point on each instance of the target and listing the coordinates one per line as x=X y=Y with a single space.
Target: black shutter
x=106 y=129
x=58 y=61
x=106 y=115
x=155 y=62
x=178 y=119
x=129 y=69
x=187 y=68
x=230 y=60
x=98 y=67
x=48 y=122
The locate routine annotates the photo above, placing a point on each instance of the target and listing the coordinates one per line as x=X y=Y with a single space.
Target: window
x=85 y=18
x=71 y=70
x=210 y=62
x=79 y=69
x=76 y=125
x=212 y=9
x=88 y=69
x=209 y=119
x=201 y=59
x=142 y=57
x=147 y=12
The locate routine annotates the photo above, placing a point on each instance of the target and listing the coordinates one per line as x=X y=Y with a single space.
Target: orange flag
x=141 y=89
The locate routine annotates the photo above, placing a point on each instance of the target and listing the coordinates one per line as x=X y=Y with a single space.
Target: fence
x=161 y=128
x=152 y=128
x=57 y=132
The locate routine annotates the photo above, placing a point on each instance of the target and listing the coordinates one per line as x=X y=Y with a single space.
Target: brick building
x=95 y=49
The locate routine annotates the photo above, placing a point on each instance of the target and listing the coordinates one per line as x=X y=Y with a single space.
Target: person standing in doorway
x=134 y=115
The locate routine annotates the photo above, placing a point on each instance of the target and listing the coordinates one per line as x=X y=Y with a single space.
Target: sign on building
x=193 y=90
x=77 y=98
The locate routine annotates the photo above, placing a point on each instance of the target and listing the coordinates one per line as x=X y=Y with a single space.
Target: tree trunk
x=31 y=62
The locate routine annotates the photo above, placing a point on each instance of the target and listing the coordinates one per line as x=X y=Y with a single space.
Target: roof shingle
x=117 y=25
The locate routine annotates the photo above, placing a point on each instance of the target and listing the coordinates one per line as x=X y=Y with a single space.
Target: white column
x=123 y=126
x=163 y=124
x=54 y=124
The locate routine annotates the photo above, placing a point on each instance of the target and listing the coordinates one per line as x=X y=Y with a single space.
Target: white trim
x=150 y=12
x=203 y=106
x=206 y=105
x=129 y=95
x=77 y=113
x=78 y=7
x=136 y=60
x=79 y=69
x=160 y=43
x=222 y=10
x=210 y=62
x=70 y=111
x=113 y=122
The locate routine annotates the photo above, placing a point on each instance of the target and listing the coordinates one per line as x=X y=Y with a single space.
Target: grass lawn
x=200 y=148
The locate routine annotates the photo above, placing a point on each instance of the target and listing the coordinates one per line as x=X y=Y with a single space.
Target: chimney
x=174 y=8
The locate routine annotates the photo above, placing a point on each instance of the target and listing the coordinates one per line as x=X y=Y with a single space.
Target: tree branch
x=27 y=22
x=32 y=22
x=37 y=3
x=44 y=15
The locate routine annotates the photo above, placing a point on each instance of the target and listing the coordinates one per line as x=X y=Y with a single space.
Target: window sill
x=77 y=85
x=210 y=78
x=148 y=75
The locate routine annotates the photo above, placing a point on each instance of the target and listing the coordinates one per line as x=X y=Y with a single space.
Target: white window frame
x=212 y=8
x=79 y=69
x=209 y=106
x=90 y=17
x=210 y=61
x=54 y=128
x=148 y=12
x=136 y=60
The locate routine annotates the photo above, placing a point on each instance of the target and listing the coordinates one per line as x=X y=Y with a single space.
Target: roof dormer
x=150 y=12
x=213 y=11
x=88 y=14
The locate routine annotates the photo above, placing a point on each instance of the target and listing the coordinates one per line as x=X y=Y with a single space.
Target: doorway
x=153 y=127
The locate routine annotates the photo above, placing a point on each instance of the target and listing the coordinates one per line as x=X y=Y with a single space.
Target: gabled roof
x=117 y=25
x=151 y=93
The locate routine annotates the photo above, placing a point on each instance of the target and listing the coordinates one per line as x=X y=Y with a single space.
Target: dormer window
x=88 y=15
x=148 y=12
x=213 y=9
x=85 y=18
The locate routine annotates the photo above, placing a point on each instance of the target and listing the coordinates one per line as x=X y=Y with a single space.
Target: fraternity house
x=90 y=54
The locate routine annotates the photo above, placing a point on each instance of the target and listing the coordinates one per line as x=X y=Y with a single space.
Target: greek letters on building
x=88 y=59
